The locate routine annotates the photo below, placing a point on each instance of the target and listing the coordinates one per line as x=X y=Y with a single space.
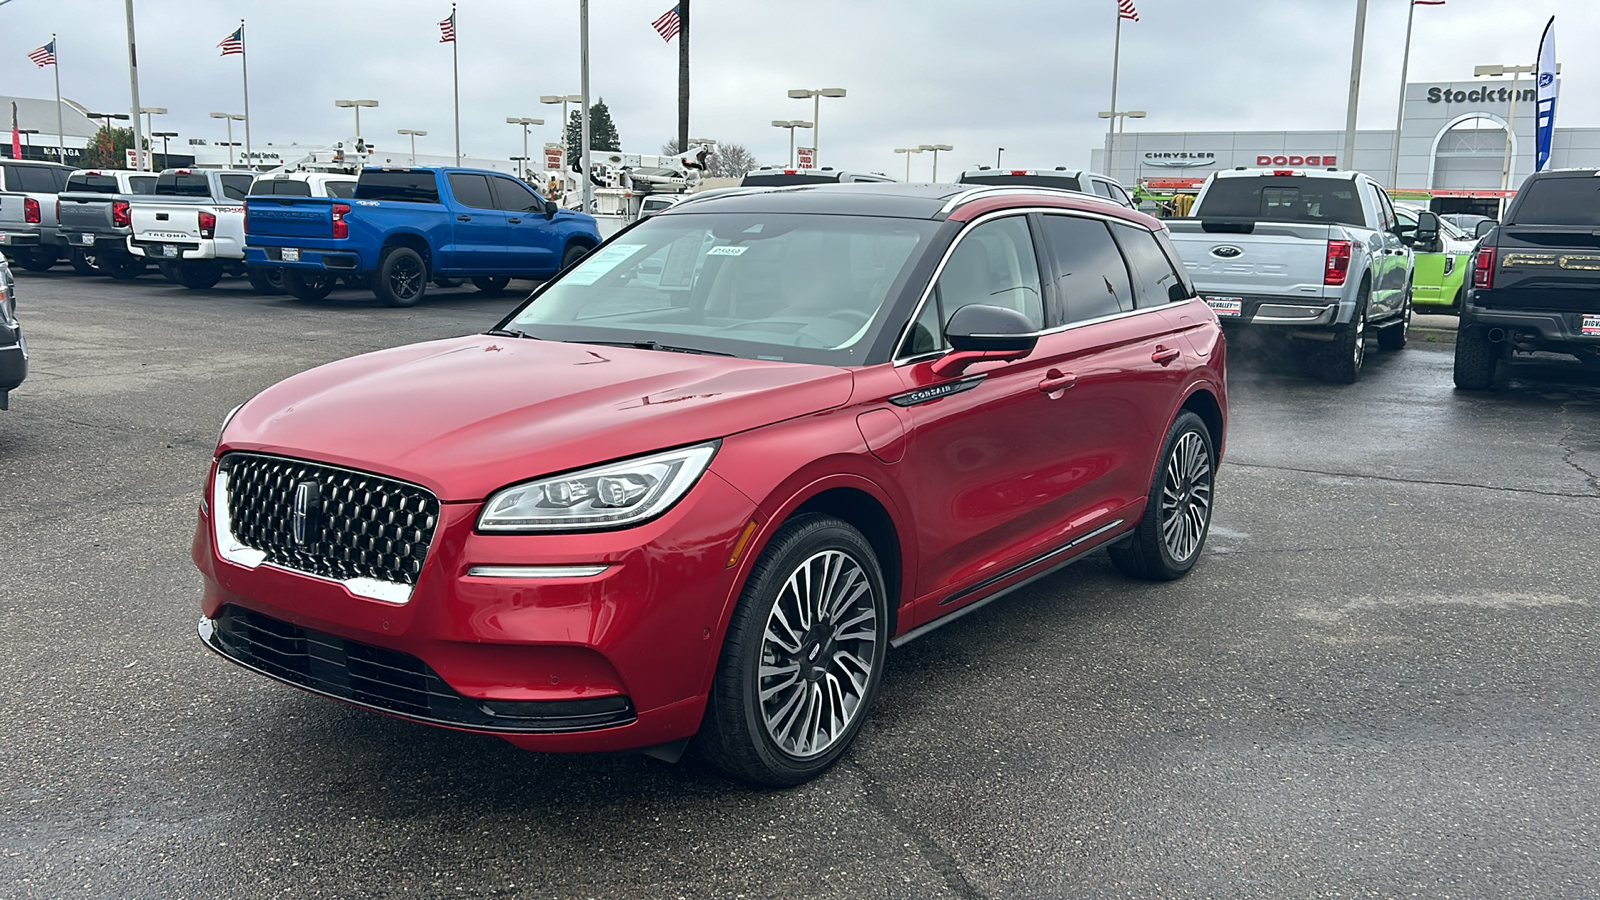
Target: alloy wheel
x=405 y=279
x=817 y=654
x=1186 y=497
x=1360 y=324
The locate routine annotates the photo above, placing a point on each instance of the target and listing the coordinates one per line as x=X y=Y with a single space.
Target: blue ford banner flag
x=1547 y=94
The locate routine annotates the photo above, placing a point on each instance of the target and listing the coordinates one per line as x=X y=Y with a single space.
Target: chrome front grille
x=326 y=521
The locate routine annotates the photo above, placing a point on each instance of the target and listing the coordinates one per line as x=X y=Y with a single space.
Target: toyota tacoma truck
x=407 y=226
x=28 y=211
x=13 y=351
x=1535 y=279
x=193 y=222
x=95 y=221
x=1314 y=256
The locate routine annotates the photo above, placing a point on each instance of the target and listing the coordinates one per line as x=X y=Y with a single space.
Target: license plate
x=1226 y=306
x=291 y=254
x=86 y=240
x=169 y=251
x=1591 y=325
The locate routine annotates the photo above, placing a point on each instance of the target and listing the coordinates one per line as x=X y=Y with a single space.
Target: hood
x=466 y=416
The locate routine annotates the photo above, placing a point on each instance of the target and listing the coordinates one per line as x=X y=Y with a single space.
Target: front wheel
x=573 y=255
x=491 y=285
x=803 y=657
x=1177 y=512
x=308 y=286
x=402 y=277
x=1393 y=337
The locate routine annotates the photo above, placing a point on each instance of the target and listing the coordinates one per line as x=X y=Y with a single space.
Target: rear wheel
x=402 y=277
x=309 y=286
x=1477 y=357
x=491 y=285
x=1393 y=337
x=266 y=279
x=36 y=259
x=1342 y=359
x=803 y=657
x=1177 y=512
x=200 y=274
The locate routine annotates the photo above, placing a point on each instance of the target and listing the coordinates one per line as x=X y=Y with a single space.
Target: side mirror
x=979 y=333
x=1427 y=236
x=550 y=208
x=1484 y=227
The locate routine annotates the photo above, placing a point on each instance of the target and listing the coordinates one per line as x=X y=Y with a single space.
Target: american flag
x=447 y=29
x=1125 y=10
x=667 y=26
x=44 y=56
x=233 y=43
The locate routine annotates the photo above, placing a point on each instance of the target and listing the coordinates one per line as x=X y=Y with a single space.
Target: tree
x=727 y=160
x=109 y=149
x=602 y=131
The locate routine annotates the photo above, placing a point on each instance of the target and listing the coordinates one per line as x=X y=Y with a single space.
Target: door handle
x=514 y=221
x=1055 y=381
x=1165 y=355
x=463 y=218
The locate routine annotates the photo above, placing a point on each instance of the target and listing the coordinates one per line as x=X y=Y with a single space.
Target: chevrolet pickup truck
x=1314 y=256
x=269 y=279
x=28 y=211
x=407 y=226
x=194 y=221
x=95 y=223
x=1535 y=279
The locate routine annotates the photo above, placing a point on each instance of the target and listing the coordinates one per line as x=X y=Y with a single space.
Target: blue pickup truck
x=405 y=227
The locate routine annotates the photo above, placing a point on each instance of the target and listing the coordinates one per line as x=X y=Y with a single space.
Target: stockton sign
x=1447 y=94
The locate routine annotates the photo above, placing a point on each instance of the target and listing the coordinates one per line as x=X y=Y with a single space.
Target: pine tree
x=602 y=131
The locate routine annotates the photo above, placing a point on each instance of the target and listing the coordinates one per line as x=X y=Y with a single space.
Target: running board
x=1076 y=544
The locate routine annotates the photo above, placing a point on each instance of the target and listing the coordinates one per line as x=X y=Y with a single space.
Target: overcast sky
x=1028 y=75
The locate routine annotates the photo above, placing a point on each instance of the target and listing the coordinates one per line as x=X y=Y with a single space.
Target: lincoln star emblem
x=1226 y=251
x=307 y=497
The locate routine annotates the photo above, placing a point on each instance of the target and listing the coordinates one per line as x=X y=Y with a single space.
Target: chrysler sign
x=1179 y=159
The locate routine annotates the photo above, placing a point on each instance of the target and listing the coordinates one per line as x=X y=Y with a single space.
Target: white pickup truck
x=193 y=224
x=1311 y=255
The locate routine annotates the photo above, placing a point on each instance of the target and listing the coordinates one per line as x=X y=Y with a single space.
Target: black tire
x=737 y=734
x=491 y=285
x=1393 y=337
x=402 y=278
x=200 y=274
x=1477 y=357
x=574 y=252
x=1342 y=358
x=1177 y=516
x=266 y=280
x=84 y=263
x=169 y=271
x=121 y=266
x=36 y=259
x=308 y=286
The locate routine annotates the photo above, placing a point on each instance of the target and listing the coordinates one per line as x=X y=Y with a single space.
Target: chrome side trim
x=536 y=571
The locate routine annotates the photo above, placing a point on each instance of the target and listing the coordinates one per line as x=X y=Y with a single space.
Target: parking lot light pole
x=564 y=100
x=997 y=152
x=816 y=95
x=164 y=135
x=791 y=124
x=1121 y=116
x=149 y=128
x=355 y=105
x=231 y=117
x=934 y=149
x=414 y=134
x=524 y=121
x=908 y=151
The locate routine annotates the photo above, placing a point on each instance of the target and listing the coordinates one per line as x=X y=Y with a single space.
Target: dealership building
x=1452 y=143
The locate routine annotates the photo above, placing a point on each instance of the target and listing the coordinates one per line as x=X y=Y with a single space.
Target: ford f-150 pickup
x=407 y=226
x=1314 y=255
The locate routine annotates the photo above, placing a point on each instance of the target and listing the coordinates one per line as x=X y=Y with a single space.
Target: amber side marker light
x=739 y=545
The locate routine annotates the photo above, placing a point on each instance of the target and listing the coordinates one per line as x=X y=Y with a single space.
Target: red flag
x=16 y=134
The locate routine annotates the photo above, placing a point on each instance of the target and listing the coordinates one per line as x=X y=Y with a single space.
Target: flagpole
x=1400 y=112
x=61 y=131
x=455 y=68
x=683 y=77
x=133 y=81
x=1355 y=87
x=244 y=67
x=1116 y=62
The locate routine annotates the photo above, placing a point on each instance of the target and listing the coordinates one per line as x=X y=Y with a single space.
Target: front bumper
x=610 y=661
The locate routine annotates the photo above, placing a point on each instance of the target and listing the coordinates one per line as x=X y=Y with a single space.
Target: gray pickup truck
x=1315 y=256
x=28 y=211
x=95 y=220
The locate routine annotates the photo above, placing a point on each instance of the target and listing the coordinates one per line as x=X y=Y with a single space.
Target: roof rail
x=966 y=197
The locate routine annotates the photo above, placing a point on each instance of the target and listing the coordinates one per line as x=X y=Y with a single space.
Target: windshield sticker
x=727 y=250
x=678 y=270
x=598 y=264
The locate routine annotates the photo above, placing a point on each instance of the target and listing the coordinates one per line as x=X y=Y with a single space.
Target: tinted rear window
x=344 y=190
x=784 y=179
x=32 y=179
x=180 y=184
x=281 y=188
x=1284 y=198
x=1559 y=201
x=94 y=184
x=1064 y=182
x=412 y=185
x=142 y=185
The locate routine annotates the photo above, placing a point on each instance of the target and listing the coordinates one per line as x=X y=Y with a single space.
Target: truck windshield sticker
x=598 y=264
x=727 y=250
x=678 y=270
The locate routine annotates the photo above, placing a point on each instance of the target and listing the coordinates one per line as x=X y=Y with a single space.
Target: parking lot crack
x=1569 y=453
x=1592 y=483
x=928 y=848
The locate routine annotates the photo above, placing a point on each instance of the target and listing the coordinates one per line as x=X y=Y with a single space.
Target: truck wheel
x=1393 y=337
x=573 y=254
x=308 y=286
x=1177 y=512
x=121 y=267
x=36 y=259
x=266 y=279
x=402 y=278
x=1476 y=359
x=491 y=285
x=1342 y=361
x=199 y=274
x=83 y=263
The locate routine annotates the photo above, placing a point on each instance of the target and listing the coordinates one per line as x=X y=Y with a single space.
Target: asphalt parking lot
x=1381 y=680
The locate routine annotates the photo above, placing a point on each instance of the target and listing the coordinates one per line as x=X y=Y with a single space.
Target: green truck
x=1438 y=272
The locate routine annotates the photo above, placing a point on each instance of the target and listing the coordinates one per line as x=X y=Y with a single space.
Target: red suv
x=700 y=483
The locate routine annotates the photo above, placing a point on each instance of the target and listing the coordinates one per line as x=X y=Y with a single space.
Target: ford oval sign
x=1226 y=251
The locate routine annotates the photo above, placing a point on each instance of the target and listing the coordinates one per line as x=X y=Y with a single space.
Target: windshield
x=1284 y=198
x=802 y=288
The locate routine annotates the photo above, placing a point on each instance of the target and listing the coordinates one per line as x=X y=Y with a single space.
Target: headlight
x=611 y=496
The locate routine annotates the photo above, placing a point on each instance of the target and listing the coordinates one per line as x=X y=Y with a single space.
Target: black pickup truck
x=1535 y=279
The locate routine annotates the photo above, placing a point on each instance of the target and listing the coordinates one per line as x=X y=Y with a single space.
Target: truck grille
x=330 y=522
x=389 y=681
